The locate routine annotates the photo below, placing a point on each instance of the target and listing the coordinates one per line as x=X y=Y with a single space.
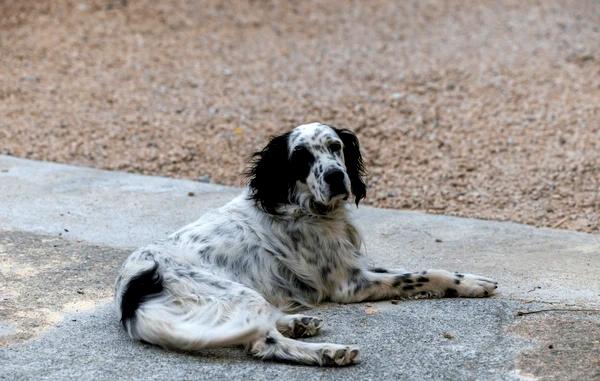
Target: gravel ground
x=475 y=108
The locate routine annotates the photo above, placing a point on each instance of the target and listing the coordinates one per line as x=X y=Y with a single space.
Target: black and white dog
x=286 y=242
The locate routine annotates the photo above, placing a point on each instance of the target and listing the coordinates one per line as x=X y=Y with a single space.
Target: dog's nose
x=335 y=179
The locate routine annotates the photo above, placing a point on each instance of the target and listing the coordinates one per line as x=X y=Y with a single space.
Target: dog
x=239 y=275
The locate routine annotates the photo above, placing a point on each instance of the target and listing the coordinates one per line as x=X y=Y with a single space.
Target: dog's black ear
x=270 y=181
x=354 y=163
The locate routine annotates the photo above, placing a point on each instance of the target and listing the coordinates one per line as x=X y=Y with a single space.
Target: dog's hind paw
x=299 y=325
x=339 y=355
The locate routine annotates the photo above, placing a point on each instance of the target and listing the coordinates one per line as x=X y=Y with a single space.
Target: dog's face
x=314 y=166
x=316 y=154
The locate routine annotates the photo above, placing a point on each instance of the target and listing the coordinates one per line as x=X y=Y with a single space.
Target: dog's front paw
x=471 y=286
x=306 y=326
x=339 y=355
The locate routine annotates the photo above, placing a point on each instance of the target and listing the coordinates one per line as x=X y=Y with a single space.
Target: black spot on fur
x=360 y=284
x=399 y=279
x=147 y=255
x=459 y=275
x=296 y=237
x=354 y=163
x=325 y=272
x=451 y=293
x=197 y=238
x=379 y=270
x=456 y=281
x=219 y=286
x=409 y=287
x=205 y=251
x=422 y=279
x=270 y=340
x=418 y=284
x=140 y=288
x=253 y=250
x=354 y=273
x=221 y=260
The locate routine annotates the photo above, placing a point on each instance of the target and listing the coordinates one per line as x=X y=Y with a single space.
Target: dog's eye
x=301 y=150
x=301 y=154
x=335 y=147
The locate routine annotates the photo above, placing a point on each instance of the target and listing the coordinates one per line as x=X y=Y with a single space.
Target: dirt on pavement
x=476 y=108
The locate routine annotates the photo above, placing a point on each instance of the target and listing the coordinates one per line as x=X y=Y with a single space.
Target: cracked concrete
x=64 y=231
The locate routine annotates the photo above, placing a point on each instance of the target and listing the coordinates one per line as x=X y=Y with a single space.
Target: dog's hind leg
x=299 y=325
x=275 y=346
x=174 y=305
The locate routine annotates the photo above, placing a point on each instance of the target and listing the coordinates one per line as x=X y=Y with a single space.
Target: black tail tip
x=140 y=288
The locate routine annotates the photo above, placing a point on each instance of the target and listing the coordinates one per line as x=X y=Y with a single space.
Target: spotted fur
x=286 y=242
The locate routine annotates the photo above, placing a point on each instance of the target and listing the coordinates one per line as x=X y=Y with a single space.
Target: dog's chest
x=317 y=243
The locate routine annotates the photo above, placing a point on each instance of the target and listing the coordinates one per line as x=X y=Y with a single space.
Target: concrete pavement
x=64 y=231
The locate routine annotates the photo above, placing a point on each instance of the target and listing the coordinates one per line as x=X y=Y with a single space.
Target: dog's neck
x=316 y=212
x=307 y=209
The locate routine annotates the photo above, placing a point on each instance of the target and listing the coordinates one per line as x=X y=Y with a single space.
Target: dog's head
x=315 y=167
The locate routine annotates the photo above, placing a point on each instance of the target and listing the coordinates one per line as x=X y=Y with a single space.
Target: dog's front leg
x=379 y=284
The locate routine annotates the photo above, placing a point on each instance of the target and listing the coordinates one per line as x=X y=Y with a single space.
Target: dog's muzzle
x=335 y=179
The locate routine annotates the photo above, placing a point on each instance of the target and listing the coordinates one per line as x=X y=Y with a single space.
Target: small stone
x=438 y=240
x=395 y=301
x=448 y=335
x=191 y=194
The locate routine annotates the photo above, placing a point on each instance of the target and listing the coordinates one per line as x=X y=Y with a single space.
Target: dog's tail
x=162 y=312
